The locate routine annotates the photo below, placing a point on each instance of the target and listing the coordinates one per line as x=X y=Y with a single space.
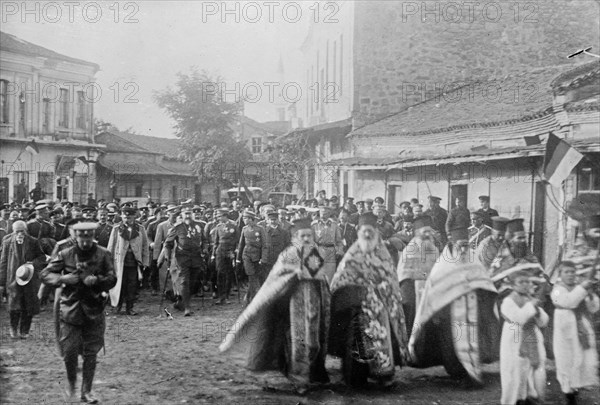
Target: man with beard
x=191 y=243
x=478 y=230
x=416 y=261
x=104 y=228
x=489 y=247
x=328 y=238
x=86 y=271
x=438 y=216
x=19 y=278
x=226 y=236
x=286 y=324
x=128 y=244
x=368 y=327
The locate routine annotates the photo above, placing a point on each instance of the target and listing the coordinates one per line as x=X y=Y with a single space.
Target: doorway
x=457 y=191
x=394 y=198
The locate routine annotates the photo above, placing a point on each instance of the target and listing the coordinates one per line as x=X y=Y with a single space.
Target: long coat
x=576 y=367
x=10 y=261
x=118 y=246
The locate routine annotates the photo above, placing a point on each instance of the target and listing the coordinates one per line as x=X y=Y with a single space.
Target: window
x=80 y=110
x=46 y=115
x=588 y=179
x=175 y=194
x=63 y=112
x=80 y=181
x=62 y=188
x=46 y=180
x=22 y=111
x=256 y=145
x=130 y=189
x=3 y=102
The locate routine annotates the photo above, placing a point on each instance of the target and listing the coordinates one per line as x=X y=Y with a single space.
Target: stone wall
x=407 y=51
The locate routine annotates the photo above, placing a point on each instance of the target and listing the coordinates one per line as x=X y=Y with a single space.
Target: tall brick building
x=369 y=59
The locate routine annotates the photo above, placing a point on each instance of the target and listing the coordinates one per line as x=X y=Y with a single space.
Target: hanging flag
x=32 y=148
x=559 y=160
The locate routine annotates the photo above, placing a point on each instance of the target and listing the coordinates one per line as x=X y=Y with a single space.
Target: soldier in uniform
x=39 y=227
x=438 y=216
x=54 y=218
x=104 y=229
x=347 y=229
x=328 y=238
x=226 y=236
x=283 y=215
x=458 y=221
x=88 y=212
x=276 y=240
x=158 y=218
x=210 y=277
x=162 y=230
x=486 y=212
x=87 y=272
x=250 y=252
x=490 y=246
x=191 y=243
x=478 y=230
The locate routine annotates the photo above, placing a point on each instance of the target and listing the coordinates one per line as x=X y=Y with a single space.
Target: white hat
x=24 y=274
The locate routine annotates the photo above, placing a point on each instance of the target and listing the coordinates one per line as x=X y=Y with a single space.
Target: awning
x=479 y=154
x=342 y=127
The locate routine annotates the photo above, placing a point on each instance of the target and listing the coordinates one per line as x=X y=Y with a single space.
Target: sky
x=141 y=46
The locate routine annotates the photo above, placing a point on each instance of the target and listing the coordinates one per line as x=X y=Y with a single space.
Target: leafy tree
x=204 y=122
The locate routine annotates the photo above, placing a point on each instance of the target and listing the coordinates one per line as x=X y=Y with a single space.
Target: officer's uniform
x=226 y=236
x=103 y=234
x=439 y=216
x=250 y=252
x=188 y=254
x=39 y=228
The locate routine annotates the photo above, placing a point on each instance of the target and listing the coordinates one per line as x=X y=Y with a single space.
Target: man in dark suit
x=348 y=230
x=486 y=212
x=438 y=216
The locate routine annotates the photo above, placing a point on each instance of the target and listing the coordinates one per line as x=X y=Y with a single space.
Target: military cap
x=484 y=198
x=272 y=214
x=86 y=227
x=197 y=208
x=477 y=214
x=74 y=221
x=248 y=213
x=209 y=211
x=56 y=211
x=5 y=206
x=186 y=208
x=404 y=204
x=369 y=201
x=41 y=206
x=88 y=208
x=172 y=208
x=144 y=209
x=222 y=211
x=283 y=211
x=435 y=198
x=350 y=199
x=301 y=223
x=129 y=210
x=111 y=206
x=378 y=200
x=127 y=204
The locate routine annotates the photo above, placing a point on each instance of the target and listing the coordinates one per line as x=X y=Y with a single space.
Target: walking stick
x=164 y=291
x=237 y=284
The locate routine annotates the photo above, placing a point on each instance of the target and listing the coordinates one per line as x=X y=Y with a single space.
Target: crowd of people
x=320 y=276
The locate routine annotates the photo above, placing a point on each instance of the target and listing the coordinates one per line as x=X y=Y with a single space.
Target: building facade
x=46 y=123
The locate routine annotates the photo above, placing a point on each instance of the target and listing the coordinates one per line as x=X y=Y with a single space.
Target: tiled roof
x=139 y=167
x=167 y=146
x=481 y=104
x=15 y=44
x=120 y=142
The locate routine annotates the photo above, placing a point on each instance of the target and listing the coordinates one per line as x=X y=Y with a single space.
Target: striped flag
x=559 y=160
x=32 y=148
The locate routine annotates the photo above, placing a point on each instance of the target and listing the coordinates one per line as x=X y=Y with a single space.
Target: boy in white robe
x=522 y=352
x=574 y=339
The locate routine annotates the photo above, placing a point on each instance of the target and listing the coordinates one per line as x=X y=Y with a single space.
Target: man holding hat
x=486 y=212
x=87 y=273
x=226 y=236
x=19 y=278
x=439 y=216
x=250 y=252
x=128 y=244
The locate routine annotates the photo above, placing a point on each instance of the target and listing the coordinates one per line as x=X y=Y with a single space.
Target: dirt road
x=152 y=360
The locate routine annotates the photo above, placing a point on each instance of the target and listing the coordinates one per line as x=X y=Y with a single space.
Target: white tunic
x=519 y=379
x=575 y=367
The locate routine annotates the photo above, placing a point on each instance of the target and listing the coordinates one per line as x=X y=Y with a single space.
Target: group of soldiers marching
x=84 y=257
